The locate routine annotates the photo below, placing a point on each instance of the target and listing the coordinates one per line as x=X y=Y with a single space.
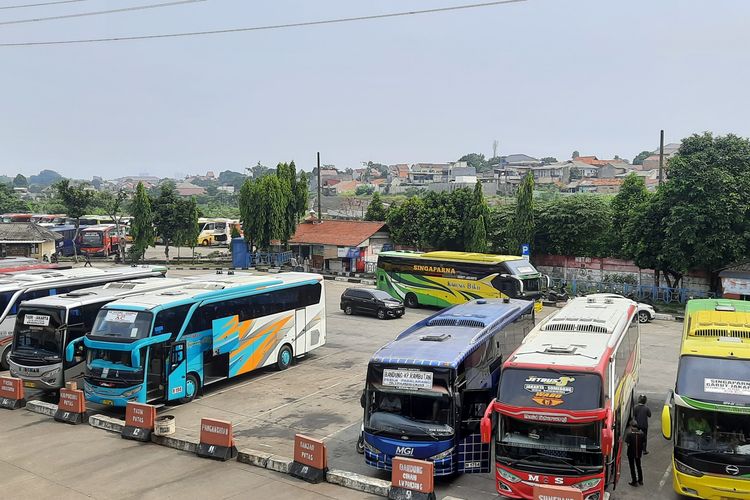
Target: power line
x=262 y=28
x=40 y=4
x=100 y=12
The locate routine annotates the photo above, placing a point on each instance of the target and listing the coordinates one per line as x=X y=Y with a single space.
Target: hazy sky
x=544 y=77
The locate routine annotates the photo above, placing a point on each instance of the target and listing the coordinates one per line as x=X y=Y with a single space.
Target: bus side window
x=171 y=320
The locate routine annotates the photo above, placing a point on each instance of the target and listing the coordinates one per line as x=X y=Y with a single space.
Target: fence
x=641 y=293
x=274 y=259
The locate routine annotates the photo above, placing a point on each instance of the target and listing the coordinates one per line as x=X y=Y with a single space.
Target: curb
x=664 y=317
x=47 y=409
x=176 y=443
x=359 y=482
x=106 y=423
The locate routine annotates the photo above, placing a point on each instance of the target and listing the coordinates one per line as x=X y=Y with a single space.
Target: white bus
x=166 y=345
x=216 y=231
x=45 y=326
x=18 y=287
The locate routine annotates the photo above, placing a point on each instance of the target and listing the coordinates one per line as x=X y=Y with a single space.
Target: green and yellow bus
x=707 y=416
x=445 y=278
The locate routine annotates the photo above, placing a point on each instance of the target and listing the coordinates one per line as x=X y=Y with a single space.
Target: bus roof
x=449 y=256
x=580 y=335
x=98 y=227
x=209 y=287
x=23 y=279
x=62 y=227
x=448 y=337
x=109 y=291
x=717 y=328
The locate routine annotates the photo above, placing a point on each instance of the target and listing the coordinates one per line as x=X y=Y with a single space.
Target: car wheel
x=204 y=243
x=411 y=300
x=284 y=360
x=191 y=388
x=644 y=317
x=5 y=359
x=348 y=310
x=381 y=314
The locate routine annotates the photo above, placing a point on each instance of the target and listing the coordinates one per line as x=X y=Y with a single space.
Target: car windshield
x=547 y=443
x=713 y=432
x=407 y=413
x=91 y=238
x=380 y=294
x=40 y=331
x=122 y=325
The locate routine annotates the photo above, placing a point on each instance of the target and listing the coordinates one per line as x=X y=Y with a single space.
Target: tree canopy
x=142 y=225
x=638 y=160
x=375 y=210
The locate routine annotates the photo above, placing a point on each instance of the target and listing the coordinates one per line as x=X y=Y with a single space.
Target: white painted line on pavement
x=665 y=477
x=299 y=399
x=341 y=430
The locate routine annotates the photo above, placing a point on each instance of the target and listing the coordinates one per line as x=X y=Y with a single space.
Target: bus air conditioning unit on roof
x=123 y=286
x=560 y=349
x=435 y=338
x=574 y=327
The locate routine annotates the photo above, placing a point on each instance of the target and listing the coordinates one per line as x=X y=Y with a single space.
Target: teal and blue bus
x=427 y=391
x=167 y=345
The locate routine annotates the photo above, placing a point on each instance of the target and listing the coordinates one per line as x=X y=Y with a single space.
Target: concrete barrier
x=42 y=408
x=279 y=464
x=253 y=457
x=176 y=443
x=359 y=482
x=107 y=423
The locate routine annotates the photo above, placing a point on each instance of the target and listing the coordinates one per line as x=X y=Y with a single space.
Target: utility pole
x=661 y=157
x=320 y=190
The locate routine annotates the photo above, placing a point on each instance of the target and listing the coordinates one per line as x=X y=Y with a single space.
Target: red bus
x=101 y=239
x=565 y=399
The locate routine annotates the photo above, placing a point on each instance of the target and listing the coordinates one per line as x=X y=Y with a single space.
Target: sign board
x=413 y=475
x=726 y=386
x=71 y=407
x=121 y=316
x=407 y=379
x=36 y=320
x=140 y=415
x=737 y=286
x=11 y=393
x=525 y=251
x=216 y=432
x=557 y=493
x=310 y=452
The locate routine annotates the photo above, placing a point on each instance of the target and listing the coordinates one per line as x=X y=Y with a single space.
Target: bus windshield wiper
x=527 y=458
x=563 y=460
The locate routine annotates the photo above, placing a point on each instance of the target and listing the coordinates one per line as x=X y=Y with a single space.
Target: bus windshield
x=408 y=413
x=40 y=331
x=122 y=325
x=706 y=431
x=520 y=267
x=91 y=239
x=553 y=444
x=550 y=389
x=724 y=381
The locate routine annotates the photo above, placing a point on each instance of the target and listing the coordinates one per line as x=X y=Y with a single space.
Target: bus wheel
x=5 y=359
x=285 y=358
x=411 y=300
x=191 y=388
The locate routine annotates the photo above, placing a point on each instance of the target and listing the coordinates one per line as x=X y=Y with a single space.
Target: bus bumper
x=516 y=484
x=710 y=487
x=116 y=397
x=45 y=378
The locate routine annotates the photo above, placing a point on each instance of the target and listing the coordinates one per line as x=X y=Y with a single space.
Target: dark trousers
x=645 y=438
x=635 y=463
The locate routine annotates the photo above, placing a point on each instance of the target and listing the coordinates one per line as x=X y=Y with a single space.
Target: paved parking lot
x=319 y=396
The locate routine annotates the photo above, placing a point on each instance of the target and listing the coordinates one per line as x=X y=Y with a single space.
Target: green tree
x=189 y=230
x=375 y=210
x=142 y=225
x=263 y=211
x=575 y=154
x=638 y=160
x=577 y=225
x=548 y=160
x=500 y=231
x=475 y=160
x=20 y=181
x=523 y=222
x=77 y=200
x=10 y=202
x=301 y=196
x=475 y=226
x=364 y=190
x=113 y=205
x=627 y=208
x=167 y=215
x=405 y=221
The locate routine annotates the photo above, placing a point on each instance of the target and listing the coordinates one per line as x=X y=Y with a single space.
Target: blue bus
x=426 y=391
x=167 y=345
x=65 y=246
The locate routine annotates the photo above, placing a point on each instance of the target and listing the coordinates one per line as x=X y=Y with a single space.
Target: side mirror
x=362 y=399
x=485 y=428
x=607 y=440
x=666 y=417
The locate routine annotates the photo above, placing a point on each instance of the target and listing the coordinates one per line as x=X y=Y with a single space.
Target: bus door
x=300 y=331
x=474 y=457
x=155 y=374
x=177 y=374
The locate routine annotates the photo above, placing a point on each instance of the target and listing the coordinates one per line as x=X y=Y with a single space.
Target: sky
x=543 y=77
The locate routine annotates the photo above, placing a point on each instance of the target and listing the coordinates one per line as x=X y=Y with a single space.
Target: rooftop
x=26 y=232
x=344 y=233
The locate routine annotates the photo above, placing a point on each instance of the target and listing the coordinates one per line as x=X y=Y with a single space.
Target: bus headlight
x=511 y=478
x=51 y=376
x=443 y=455
x=587 y=484
x=686 y=469
x=132 y=392
x=371 y=448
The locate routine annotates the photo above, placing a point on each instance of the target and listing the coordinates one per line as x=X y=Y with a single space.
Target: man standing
x=642 y=413
x=634 y=440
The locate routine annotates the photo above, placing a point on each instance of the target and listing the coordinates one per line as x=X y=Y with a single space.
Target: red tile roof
x=344 y=233
x=601 y=182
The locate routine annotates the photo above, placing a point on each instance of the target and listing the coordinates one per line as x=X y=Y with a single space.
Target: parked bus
x=565 y=400
x=7 y=218
x=446 y=278
x=48 y=220
x=18 y=287
x=165 y=346
x=101 y=240
x=708 y=414
x=45 y=326
x=65 y=246
x=427 y=390
x=216 y=231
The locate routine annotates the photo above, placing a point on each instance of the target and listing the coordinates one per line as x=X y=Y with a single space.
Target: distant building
x=226 y=189
x=188 y=189
x=652 y=162
x=26 y=239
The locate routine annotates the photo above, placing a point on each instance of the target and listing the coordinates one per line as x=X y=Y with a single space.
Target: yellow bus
x=444 y=278
x=707 y=416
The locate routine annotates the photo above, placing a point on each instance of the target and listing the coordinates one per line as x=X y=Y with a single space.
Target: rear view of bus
x=565 y=398
x=708 y=414
x=427 y=390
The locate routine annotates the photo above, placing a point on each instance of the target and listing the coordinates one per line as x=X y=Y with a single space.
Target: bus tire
x=5 y=358
x=381 y=313
x=191 y=388
x=285 y=358
x=411 y=300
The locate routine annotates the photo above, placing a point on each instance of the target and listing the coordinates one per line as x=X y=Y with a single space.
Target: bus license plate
x=29 y=383
x=538 y=306
x=108 y=402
